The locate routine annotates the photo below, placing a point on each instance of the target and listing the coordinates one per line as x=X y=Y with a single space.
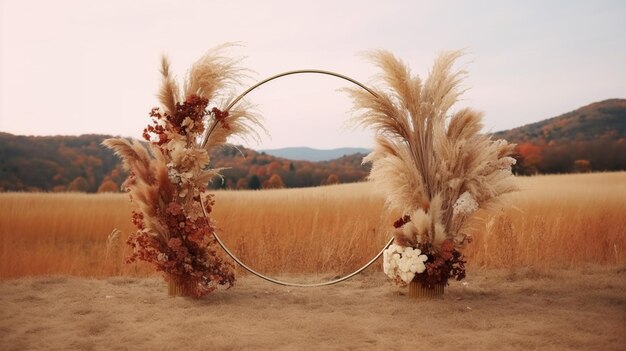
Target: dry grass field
x=566 y=221
x=547 y=271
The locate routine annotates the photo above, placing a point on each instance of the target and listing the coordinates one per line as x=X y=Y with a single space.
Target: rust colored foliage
x=442 y=265
x=189 y=113
x=189 y=255
x=183 y=247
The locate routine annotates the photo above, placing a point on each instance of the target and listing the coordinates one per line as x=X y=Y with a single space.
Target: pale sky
x=70 y=67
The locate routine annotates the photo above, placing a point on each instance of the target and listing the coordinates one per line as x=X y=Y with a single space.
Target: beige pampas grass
x=148 y=185
x=433 y=166
x=169 y=182
x=213 y=77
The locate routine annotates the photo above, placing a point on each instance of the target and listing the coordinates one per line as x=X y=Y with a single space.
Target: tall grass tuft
x=434 y=167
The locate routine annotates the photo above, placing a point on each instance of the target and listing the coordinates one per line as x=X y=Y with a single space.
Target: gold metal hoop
x=219 y=241
x=288 y=73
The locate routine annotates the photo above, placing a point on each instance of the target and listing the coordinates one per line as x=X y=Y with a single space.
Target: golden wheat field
x=562 y=221
x=546 y=272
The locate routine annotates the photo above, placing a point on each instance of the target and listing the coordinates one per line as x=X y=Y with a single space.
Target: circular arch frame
x=217 y=238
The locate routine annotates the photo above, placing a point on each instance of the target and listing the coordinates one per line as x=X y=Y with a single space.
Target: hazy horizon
x=73 y=67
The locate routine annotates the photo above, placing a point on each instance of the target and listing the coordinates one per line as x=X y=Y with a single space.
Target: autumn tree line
x=603 y=154
x=82 y=164
x=591 y=138
x=248 y=169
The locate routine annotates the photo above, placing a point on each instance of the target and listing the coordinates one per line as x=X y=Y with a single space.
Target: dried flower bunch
x=168 y=181
x=436 y=168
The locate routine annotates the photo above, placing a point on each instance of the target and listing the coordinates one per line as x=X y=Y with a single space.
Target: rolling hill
x=597 y=120
x=591 y=138
x=81 y=163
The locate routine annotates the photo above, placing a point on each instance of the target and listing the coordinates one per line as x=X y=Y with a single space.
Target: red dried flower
x=442 y=264
x=220 y=116
x=189 y=254
x=402 y=221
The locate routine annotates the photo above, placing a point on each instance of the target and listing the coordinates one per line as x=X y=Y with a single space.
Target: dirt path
x=556 y=310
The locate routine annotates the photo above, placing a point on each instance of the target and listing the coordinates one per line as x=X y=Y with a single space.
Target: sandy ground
x=526 y=310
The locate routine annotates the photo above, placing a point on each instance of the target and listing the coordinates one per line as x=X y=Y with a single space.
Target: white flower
x=403 y=262
x=465 y=204
x=177 y=148
x=407 y=276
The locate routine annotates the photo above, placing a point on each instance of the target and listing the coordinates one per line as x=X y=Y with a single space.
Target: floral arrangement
x=168 y=181
x=435 y=168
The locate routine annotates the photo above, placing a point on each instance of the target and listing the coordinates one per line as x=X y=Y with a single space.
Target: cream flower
x=465 y=204
x=177 y=148
x=403 y=262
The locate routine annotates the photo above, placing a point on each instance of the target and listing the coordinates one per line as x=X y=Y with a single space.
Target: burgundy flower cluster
x=184 y=247
x=189 y=255
x=442 y=264
x=189 y=113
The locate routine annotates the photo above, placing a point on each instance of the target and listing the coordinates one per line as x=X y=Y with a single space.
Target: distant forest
x=592 y=138
x=81 y=163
